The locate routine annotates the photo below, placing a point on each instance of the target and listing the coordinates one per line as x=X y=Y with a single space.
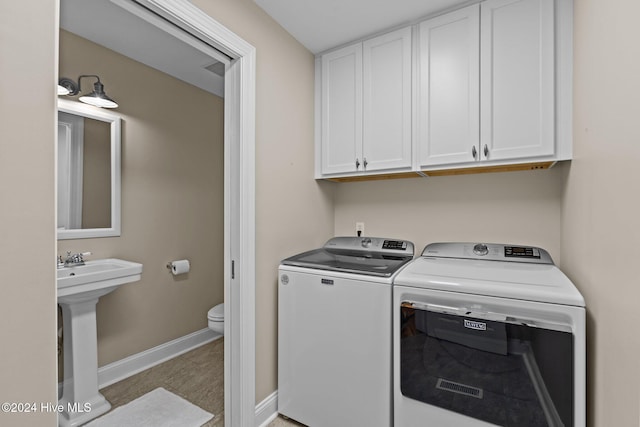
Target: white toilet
x=216 y=319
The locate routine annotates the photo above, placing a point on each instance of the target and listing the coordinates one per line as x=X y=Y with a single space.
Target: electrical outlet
x=359 y=228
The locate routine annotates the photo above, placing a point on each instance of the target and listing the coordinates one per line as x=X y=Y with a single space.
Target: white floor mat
x=158 y=408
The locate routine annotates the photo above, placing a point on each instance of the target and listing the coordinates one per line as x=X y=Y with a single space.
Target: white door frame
x=239 y=202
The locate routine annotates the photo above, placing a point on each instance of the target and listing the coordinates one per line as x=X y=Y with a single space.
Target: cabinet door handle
x=486 y=150
x=365 y=163
x=474 y=152
x=357 y=163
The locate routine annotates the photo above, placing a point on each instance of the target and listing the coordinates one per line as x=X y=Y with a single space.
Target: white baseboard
x=267 y=410
x=124 y=368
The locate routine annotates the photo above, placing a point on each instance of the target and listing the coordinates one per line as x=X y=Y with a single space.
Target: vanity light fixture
x=97 y=97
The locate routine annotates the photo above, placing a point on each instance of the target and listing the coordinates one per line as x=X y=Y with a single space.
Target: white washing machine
x=334 y=332
x=487 y=335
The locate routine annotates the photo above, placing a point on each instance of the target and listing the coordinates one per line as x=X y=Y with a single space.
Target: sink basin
x=96 y=277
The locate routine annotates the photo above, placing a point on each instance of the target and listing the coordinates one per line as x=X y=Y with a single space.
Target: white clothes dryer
x=487 y=335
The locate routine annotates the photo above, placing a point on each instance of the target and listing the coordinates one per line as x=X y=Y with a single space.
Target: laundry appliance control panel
x=488 y=251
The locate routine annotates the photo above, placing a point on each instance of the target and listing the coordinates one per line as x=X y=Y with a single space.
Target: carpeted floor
x=197 y=376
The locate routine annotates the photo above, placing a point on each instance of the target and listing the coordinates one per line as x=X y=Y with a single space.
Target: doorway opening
x=183 y=20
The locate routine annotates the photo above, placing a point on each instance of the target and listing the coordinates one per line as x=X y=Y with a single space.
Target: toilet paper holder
x=179 y=267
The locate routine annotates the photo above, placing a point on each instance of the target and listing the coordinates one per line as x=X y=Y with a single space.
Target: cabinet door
x=387 y=101
x=342 y=110
x=517 y=79
x=448 y=108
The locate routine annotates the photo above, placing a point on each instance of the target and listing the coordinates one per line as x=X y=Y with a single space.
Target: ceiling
x=323 y=24
x=122 y=31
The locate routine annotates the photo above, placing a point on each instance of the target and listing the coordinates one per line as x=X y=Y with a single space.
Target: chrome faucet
x=72 y=260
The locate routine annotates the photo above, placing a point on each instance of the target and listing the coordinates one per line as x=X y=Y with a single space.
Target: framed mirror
x=88 y=171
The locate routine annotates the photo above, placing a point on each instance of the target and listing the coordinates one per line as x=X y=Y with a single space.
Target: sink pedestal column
x=80 y=399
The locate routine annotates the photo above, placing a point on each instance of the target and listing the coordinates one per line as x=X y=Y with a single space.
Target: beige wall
x=508 y=207
x=172 y=201
x=27 y=213
x=601 y=205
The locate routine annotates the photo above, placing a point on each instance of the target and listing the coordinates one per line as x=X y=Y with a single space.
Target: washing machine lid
x=372 y=256
x=539 y=281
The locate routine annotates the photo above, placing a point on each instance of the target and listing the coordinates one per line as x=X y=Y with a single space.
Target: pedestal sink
x=79 y=289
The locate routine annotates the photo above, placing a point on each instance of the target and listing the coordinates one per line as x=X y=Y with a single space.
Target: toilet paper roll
x=180 y=267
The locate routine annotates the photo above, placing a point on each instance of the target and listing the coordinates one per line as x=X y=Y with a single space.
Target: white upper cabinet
x=387 y=101
x=517 y=79
x=366 y=106
x=448 y=118
x=342 y=110
x=484 y=87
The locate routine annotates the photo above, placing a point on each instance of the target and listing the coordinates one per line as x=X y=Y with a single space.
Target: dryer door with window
x=496 y=366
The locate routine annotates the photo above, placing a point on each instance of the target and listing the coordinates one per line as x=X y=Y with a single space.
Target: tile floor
x=197 y=376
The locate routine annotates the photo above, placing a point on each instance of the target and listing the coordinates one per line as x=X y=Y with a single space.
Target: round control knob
x=366 y=242
x=480 y=249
